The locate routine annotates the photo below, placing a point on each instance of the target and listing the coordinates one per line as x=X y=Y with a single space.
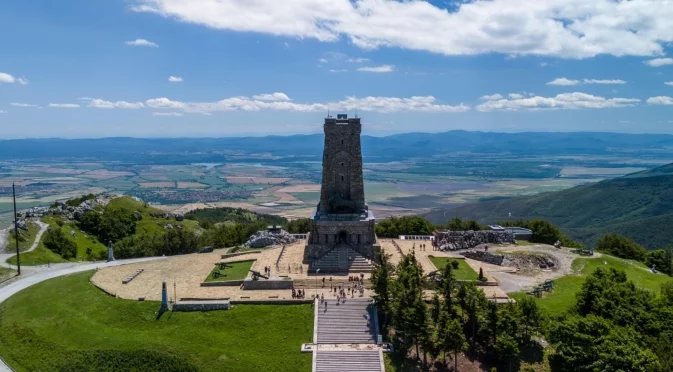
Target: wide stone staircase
x=342 y=259
x=342 y=361
x=345 y=323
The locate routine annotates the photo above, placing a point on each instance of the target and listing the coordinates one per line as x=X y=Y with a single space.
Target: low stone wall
x=494 y=259
x=224 y=283
x=200 y=305
x=273 y=283
x=455 y=240
x=228 y=255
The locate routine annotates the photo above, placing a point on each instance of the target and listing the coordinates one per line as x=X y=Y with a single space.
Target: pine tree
x=453 y=340
x=381 y=283
x=447 y=288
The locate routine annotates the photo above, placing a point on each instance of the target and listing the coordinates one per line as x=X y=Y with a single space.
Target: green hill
x=639 y=206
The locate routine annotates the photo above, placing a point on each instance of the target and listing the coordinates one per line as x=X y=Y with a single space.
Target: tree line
x=623 y=247
x=458 y=319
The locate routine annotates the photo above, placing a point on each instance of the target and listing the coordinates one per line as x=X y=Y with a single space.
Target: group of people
x=298 y=293
x=267 y=270
x=421 y=247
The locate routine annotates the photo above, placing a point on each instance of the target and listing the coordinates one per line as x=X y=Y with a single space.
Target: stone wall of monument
x=325 y=234
x=342 y=167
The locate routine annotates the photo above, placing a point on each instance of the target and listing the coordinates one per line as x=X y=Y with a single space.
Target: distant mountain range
x=638 y=205
x=309 y=147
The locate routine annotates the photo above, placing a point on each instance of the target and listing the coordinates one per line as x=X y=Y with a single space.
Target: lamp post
x=16 y=234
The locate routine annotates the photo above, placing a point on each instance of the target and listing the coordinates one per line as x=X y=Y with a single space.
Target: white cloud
x=357 y=60
x=281 y=102
x=491 y=97
x=63 y=105
x=167 y=114
x=338 y=70
x=596 y=81
x=559 y=28
x=15 y=104
x=563 y=81
x=322 y=60
x=99 y=103
x=142 y=42
x=9 y=79
x=658 y=62
x=175 y=79
x=3 y=112
x=84 y=98
x=566 y=82
x=277 y=96
x=382 y=68
x=576 y=100
x=544 y=64
x=515 y=95
x=669 y=83
x=660 y=100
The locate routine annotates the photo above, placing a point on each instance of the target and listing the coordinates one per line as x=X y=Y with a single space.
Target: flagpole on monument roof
x=16 y=233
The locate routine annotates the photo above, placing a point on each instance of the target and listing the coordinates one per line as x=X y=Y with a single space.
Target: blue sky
x=81 y=68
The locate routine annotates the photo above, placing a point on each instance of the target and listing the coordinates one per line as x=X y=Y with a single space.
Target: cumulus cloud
x=515 y=96
x=9 y=79
x=63 y=105
x=565 y=82
x=322 y=60
x=559 y=28
x=277 y=96
x=338 y=70
x=669 y=83
x=382 y=68
x=99 y=103
x=143 y=43
x=16 y=104
x=167 y=114
x=175 y=79
x=658 y=62
x=281 y=102
x=491 y=97
x=576 y=100
x=660 y=100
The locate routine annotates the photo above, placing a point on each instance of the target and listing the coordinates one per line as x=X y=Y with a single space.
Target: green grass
x=149 y=224
x=464 y=271
x=523 y=242
x=565 y=288
x=26 y=238
x=234 y=271
x=6 y=273
x=68 y=324
x=40 y=256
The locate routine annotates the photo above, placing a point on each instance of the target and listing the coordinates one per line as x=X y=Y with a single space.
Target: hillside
x=639 y=206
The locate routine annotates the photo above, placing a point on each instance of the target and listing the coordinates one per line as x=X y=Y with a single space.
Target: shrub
x=621 y=246
x=455 y=264
x=481 y=274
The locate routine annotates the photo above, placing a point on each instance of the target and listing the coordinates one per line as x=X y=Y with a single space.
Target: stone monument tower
x=342 y=227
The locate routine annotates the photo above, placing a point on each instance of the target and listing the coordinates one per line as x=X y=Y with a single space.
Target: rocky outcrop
x=265 y=238
x=455 y=240
x=491 y=258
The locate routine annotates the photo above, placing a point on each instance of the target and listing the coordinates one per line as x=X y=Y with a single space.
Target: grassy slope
x=29 y=236
x=42 y=255
x=636 y=207
x=234 y=271
x=46 y=325
x=464 y=271
x=563 y=296
x=6 y=273
x=148 y=224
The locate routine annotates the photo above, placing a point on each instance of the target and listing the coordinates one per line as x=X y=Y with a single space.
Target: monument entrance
x=342 y=224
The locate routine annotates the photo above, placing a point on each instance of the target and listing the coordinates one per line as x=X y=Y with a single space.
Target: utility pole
x=16 y=233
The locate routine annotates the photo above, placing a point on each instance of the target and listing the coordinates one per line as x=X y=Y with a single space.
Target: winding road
x=5 y=256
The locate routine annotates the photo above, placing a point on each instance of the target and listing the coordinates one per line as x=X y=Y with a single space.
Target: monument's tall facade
x=342 y=220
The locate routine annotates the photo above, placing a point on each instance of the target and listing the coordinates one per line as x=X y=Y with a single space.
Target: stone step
x=348 y=361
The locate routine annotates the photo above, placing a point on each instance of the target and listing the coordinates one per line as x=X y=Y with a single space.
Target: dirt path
x=511 y=282
x=5 y=256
